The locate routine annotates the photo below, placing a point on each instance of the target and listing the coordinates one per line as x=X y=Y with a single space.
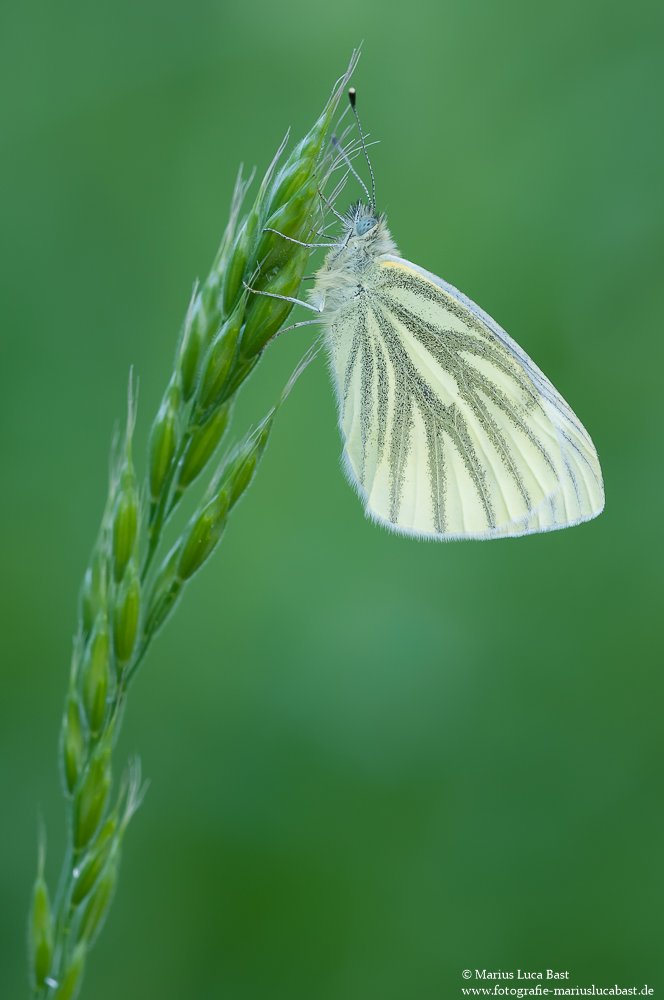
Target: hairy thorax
x=350 y=267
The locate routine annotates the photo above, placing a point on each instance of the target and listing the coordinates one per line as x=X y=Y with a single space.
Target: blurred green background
x=373 y=762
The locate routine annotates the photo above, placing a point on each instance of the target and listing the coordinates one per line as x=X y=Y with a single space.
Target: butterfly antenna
x=344 y=155
x=351 y=98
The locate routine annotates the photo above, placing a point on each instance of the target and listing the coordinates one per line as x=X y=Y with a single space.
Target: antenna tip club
x=351 y=96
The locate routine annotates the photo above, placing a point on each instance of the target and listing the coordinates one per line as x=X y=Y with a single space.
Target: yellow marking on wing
x=397 y=263
x=411 y=270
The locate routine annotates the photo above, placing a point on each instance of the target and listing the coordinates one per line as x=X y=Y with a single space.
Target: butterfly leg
x=306 y=322
x=286 y=298
x=342 y=247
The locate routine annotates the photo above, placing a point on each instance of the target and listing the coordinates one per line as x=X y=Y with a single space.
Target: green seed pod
x=93 y=591
x=242 y=477
x=244 y=466
x=213 y=287
x=72 y=975
x=266 y=314
x=211 y=313
x=296 y=173
x=125 y=522
x=165 y=593
x=125 y=615
x=190 y=351
x=91 y=796
x=97 y=906
x=300 y=165
x=41 y=927
x=210 y=295
x=163 y=440
x=73 y=742
x=219 y=359
x=205 y=318
x=205 y=530
x=202 y=446
x=89 y=872
x=240 y=373
x=293 y=219
x=237 y=264
x=96 y=674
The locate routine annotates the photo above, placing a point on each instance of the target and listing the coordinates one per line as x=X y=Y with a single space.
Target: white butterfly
x=450 y=430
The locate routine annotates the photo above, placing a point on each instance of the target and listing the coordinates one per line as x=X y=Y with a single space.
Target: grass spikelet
x=41 y=924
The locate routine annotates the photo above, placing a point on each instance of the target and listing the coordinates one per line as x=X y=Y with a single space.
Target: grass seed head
x=238 y=472
x=93 y=591
x=190 y=346
x=213 y=387
x=222 y=340
x=165 y=593
x=125 y=615
x=41 y=926
x=97 y=906
x=293 y=219
x=97 y=857
x=72 y=975
x=163 y=439
x=207 y=317
x=73 y=742
x=96 y=672
x=209 y=313
x=91 y=795
x=204 y=531
x=240 y=372
x=126 y=512
x=125 y=522
x=239 y=261
x=302 y=163
x=202 y=446
x=287 y=197
x=265 y=314
x=206 y=308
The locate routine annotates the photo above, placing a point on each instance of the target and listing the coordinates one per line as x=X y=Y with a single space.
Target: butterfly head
x=361 y=219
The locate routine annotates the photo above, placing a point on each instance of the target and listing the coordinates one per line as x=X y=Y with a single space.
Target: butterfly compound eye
x=364 y=225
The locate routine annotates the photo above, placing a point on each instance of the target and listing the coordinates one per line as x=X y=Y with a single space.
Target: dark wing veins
x=438 y=420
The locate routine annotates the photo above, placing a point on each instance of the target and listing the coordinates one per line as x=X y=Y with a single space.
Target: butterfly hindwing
x=450 y=430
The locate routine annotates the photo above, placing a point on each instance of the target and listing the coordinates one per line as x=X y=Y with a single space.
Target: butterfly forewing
x=450 y=429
